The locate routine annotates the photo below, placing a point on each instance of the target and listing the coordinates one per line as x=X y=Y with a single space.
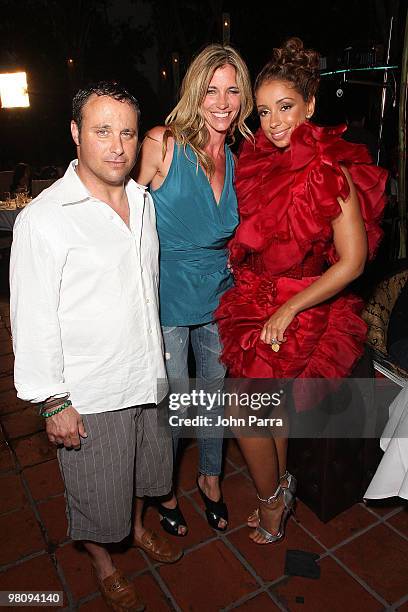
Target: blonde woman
x=190 y=170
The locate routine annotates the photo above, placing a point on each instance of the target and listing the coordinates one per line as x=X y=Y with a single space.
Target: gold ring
x=275 y=345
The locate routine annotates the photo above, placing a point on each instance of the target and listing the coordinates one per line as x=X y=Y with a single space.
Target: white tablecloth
x=391 y=477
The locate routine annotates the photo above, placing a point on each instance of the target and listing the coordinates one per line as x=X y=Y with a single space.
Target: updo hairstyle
x=295 y=64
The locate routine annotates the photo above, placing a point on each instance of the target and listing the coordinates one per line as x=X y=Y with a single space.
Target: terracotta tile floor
x=363 y=552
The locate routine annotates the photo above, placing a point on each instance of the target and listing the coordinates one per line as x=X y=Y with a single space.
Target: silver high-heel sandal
x=288 y=501
x=292 y=483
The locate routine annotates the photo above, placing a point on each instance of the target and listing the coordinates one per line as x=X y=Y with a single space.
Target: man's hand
x=66 y=428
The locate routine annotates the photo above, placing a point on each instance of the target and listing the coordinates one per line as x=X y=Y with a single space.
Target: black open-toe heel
x=172 y=519
x=214 y=510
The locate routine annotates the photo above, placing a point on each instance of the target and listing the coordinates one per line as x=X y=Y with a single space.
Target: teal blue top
x=193 y=231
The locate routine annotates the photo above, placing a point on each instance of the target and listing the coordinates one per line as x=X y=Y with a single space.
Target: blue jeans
x=210 y=374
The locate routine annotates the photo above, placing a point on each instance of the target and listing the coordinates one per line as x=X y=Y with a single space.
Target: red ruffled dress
x=287 y=200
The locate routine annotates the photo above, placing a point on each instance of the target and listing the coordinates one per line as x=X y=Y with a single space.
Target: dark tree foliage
x=187 y=25
x=40 y=36
x=131 y=39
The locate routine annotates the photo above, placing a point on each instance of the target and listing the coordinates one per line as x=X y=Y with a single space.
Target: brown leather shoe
x=120 y=594
x=158 y=547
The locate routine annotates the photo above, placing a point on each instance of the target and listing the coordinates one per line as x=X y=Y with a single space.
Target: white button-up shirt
x=84 y=300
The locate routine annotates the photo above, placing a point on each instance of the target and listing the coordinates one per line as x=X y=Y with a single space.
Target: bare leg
x=282 y=441
x=266 y=460
x=262 y=457
x=100 y=559
x=263 y=463
x=282 y=451
x=281 y=445
x=138 y=528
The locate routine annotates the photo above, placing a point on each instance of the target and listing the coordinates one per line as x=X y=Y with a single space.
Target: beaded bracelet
x=57 y=410
x=52 y=402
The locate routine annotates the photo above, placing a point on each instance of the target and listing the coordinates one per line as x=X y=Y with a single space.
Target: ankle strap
x=272 y=498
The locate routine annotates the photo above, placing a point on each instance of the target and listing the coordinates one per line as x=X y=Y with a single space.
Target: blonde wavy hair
x=186 y=122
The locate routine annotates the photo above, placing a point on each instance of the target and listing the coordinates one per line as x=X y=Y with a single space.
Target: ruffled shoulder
x=325 y=179
x=290 y=196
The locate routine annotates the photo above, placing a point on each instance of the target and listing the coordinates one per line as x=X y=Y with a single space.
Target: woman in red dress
x=309 y=205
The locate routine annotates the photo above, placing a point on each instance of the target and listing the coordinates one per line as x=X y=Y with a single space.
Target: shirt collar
x=74 y=191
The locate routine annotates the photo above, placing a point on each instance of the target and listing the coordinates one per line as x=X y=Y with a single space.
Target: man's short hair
x=113 y=89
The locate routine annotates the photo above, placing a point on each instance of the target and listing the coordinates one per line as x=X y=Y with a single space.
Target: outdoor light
x=13 y=90
x=176 y=75
x=164 y=74
x=226 y=28
x=70 y=61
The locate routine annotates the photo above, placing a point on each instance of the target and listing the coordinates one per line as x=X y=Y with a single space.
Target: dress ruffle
x=287 y=201
x=291 y=195
x=324 y=341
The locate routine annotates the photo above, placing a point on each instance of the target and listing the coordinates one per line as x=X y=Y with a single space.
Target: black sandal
x=214 y=510
x=172 y=519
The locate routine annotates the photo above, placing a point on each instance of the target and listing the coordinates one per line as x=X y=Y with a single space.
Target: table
x=7 y=218
x=9 y=211
x=391 y=477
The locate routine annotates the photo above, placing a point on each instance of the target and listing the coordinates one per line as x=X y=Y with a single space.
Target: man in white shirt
x=86 y=334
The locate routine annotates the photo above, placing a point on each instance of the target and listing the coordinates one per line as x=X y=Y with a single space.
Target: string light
x=343 y=70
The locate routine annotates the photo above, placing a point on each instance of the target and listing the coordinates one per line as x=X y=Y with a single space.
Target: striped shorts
x=125 y=454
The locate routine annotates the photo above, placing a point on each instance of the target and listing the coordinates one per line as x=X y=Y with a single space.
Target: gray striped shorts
x=125 y=454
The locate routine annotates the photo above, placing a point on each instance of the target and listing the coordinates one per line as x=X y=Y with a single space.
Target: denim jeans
x=210 y=374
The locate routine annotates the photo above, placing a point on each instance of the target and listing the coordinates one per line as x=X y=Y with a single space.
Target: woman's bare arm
x=150 y=166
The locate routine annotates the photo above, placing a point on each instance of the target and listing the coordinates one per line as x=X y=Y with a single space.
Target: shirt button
x=147 y=301
x=150 y=330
